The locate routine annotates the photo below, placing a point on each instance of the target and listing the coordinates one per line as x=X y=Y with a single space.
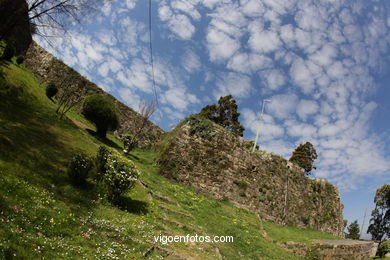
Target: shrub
x=101 y=160
x=130 y=142
x=201 y=127
x=116 y=174
x=383 y=248
x=101 y=111
x=9 y=52
x=19 y=59
x=241 y=184
x=78 y=169
x=120 y=175
x=51 y=90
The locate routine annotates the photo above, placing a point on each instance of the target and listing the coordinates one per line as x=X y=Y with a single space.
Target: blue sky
x=323 y=64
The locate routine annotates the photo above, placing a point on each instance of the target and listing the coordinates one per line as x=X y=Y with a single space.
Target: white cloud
x=249 y=63
x=301 y=75
x=261 y=40
x=187 y=7
x=236 y=84
x=306 y=108
x=220 y=45
x=282 y=106
x=178 y=98
x=178 y=23
x=274 y=78
x=191 y=61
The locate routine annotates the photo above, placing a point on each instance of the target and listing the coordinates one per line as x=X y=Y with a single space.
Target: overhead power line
x=151 y=52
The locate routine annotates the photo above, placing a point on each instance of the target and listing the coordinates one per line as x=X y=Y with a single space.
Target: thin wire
x=151 y=51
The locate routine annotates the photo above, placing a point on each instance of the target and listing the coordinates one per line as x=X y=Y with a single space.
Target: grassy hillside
x=42 y=216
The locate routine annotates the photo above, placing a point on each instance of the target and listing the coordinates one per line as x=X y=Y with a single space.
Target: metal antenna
x=258 y=129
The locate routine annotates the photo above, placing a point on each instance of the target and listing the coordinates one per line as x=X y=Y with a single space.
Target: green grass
x=43 y=216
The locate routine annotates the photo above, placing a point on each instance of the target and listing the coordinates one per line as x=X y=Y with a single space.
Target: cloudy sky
x=323 y=64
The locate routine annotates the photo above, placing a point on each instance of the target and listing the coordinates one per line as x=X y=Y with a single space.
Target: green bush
x=130 y=142
x=51 y=90
x=78 y=169
x=383 y=248
x=120 y=175
x=116 y=174
x=201 y=127
x=101 y=110
x=9 y=52
x=101 y=160
x=19 y=59
x=241 y=184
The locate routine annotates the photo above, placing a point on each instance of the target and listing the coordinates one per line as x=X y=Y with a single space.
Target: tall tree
x=225 y=113
x=304 y=155
x=379 y=227
x=353 y=230
x=44 y=15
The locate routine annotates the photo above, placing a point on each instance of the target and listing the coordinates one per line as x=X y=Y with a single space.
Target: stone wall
x=47 y=68
x=261 y=182
x=344 y=249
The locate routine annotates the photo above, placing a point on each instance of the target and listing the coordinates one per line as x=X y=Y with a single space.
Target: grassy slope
x=43 y=216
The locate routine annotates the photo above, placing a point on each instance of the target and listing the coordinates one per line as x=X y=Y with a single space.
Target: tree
x=304 y=156
x=225 y=114
x=72 y=91
x=379 y=227
x=43 y=15
x=51 y=90
x=101 y=110
x=140 y=125
x=353 y=230
x=9 y=52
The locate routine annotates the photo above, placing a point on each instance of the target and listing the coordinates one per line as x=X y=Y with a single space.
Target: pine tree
x=353 y=230
x=225 y=114
x=304 y=156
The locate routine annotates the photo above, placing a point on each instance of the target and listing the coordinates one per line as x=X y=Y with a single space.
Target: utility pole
x=364 y=219
x=258 y=129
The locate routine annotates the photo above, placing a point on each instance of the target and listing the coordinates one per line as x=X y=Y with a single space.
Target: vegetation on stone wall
x=304 y=156
x=261 y=181
x=225 y=113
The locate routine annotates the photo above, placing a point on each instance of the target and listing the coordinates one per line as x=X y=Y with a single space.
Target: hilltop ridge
x=47 y=68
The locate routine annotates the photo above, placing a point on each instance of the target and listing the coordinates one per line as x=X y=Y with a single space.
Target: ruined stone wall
x=261 y=182
x=47 y=68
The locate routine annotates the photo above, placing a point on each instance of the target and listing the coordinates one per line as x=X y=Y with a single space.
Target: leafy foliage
x=353 y=230
x=117 y=175
x=241 y=184
x=101 y=111
x=78 y=168
x=51 y=90
x=383 y=248
x=130 y=142
x=304 y=156
x=9 y=52
x=101 y=160
x=225 y=114
x=379 y=227
x=201 y=127
x=19 y=59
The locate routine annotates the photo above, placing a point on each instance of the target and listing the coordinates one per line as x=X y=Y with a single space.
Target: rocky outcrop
x=47 y=68
x=218 y=164
x=15 y=24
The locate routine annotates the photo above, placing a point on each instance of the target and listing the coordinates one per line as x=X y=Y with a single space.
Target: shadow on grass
x=106 y=141
x=133 y=156
x=132 y=206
